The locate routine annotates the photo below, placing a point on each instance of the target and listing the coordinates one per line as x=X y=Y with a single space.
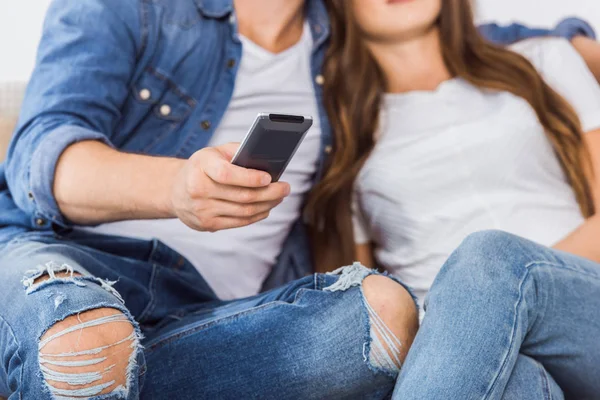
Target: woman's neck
x=274 y=25
x=414 y=64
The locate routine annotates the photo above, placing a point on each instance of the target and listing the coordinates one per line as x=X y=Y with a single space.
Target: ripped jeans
x=166 y=336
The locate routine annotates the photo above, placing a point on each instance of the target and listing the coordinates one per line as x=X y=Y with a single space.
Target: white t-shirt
x=236 y=262
x=461 y=159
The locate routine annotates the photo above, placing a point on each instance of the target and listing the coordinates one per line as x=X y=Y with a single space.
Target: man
x=125 y=127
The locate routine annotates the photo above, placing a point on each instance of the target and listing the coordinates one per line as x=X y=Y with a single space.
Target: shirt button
x=328 y=149
x=30 y=195
x=320 y=80
x=231 y=63
x=317 y=28
x=145 y=94
x=40 y=222
x=205 y=125
x=165 y=110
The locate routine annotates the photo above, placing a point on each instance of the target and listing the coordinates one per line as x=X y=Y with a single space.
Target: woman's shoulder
x=546 y=53
x=565 y=70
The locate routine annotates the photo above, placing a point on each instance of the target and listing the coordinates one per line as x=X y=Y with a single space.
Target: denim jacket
x=104 y=69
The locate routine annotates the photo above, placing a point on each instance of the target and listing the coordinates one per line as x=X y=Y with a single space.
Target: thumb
x=228 y=150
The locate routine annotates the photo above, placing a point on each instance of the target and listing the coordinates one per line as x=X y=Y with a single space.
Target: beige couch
x=8 y=117
x=7 y=125
x=11 y=96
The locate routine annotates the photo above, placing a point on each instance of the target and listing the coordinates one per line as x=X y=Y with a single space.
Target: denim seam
x=319 y=282
x=205 y=325
x=300 y=294
x=528 y=268
x=212 y=309
x=562 y=266
x=316 y=281
x=22 y=238
x=143 y=31
x=14 y=338
x=545 y=383
x=152 y=302
x=176 y=88
x=510 y=347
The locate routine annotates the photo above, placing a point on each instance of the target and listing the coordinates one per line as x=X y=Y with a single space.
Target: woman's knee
x=489 y=256
x=393 y=318
x=90 y=353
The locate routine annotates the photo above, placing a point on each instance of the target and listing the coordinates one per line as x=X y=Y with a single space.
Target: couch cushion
x=11 y=97
x=6 y=129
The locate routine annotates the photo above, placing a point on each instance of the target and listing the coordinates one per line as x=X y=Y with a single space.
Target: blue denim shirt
x=95 y=59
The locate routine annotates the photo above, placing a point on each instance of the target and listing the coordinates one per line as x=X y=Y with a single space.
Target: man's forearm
x=94 y=184
x=590 y=51
x=585 y=241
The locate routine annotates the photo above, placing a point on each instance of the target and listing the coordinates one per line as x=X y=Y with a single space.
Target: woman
x=441 y=134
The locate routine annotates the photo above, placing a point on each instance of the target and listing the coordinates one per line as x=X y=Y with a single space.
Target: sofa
x=11 y=97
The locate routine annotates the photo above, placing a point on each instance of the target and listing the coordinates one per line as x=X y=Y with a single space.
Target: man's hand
x=590 y=51
x=95 y=184
x=211 y=194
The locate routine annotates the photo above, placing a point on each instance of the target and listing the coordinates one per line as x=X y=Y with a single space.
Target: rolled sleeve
x=509 y=34
x=571 y=27
x=86 y=60
x=42 y=169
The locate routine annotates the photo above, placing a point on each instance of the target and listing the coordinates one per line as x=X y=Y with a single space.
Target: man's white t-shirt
x=462 y=159
x=236 y=262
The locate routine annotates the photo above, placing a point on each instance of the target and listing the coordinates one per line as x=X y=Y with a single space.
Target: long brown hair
x=353 y=89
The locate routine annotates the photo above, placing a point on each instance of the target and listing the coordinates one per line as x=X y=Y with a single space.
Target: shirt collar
x=215 y=8
x=316 y=15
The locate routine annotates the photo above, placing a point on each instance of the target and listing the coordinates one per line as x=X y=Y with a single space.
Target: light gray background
x=21 y=23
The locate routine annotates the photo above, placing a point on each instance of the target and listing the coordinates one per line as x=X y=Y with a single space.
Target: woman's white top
x=462 y=159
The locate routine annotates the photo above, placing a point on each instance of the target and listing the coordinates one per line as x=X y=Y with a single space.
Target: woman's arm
x=590 y=51
x=585 y=241
x=364 y=255
x=579 y=32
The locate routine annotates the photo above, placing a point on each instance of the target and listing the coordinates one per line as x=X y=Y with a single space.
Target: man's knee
x=394 y=320
x=89 y=354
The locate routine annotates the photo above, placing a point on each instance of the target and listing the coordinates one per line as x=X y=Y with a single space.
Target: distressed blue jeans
x=507 y=318
x=311 y=339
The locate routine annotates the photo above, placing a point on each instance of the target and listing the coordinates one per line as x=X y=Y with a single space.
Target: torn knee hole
x=52 y=272
x=393 y=319
x=58 y=275
x=49 y=271
x=89 y=354
x=393 y=316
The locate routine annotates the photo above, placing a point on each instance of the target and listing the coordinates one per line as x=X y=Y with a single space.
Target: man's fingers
x=228 y=150
x=235 y=210
x=223 y=223
x=225 y=173
x=273 y=192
